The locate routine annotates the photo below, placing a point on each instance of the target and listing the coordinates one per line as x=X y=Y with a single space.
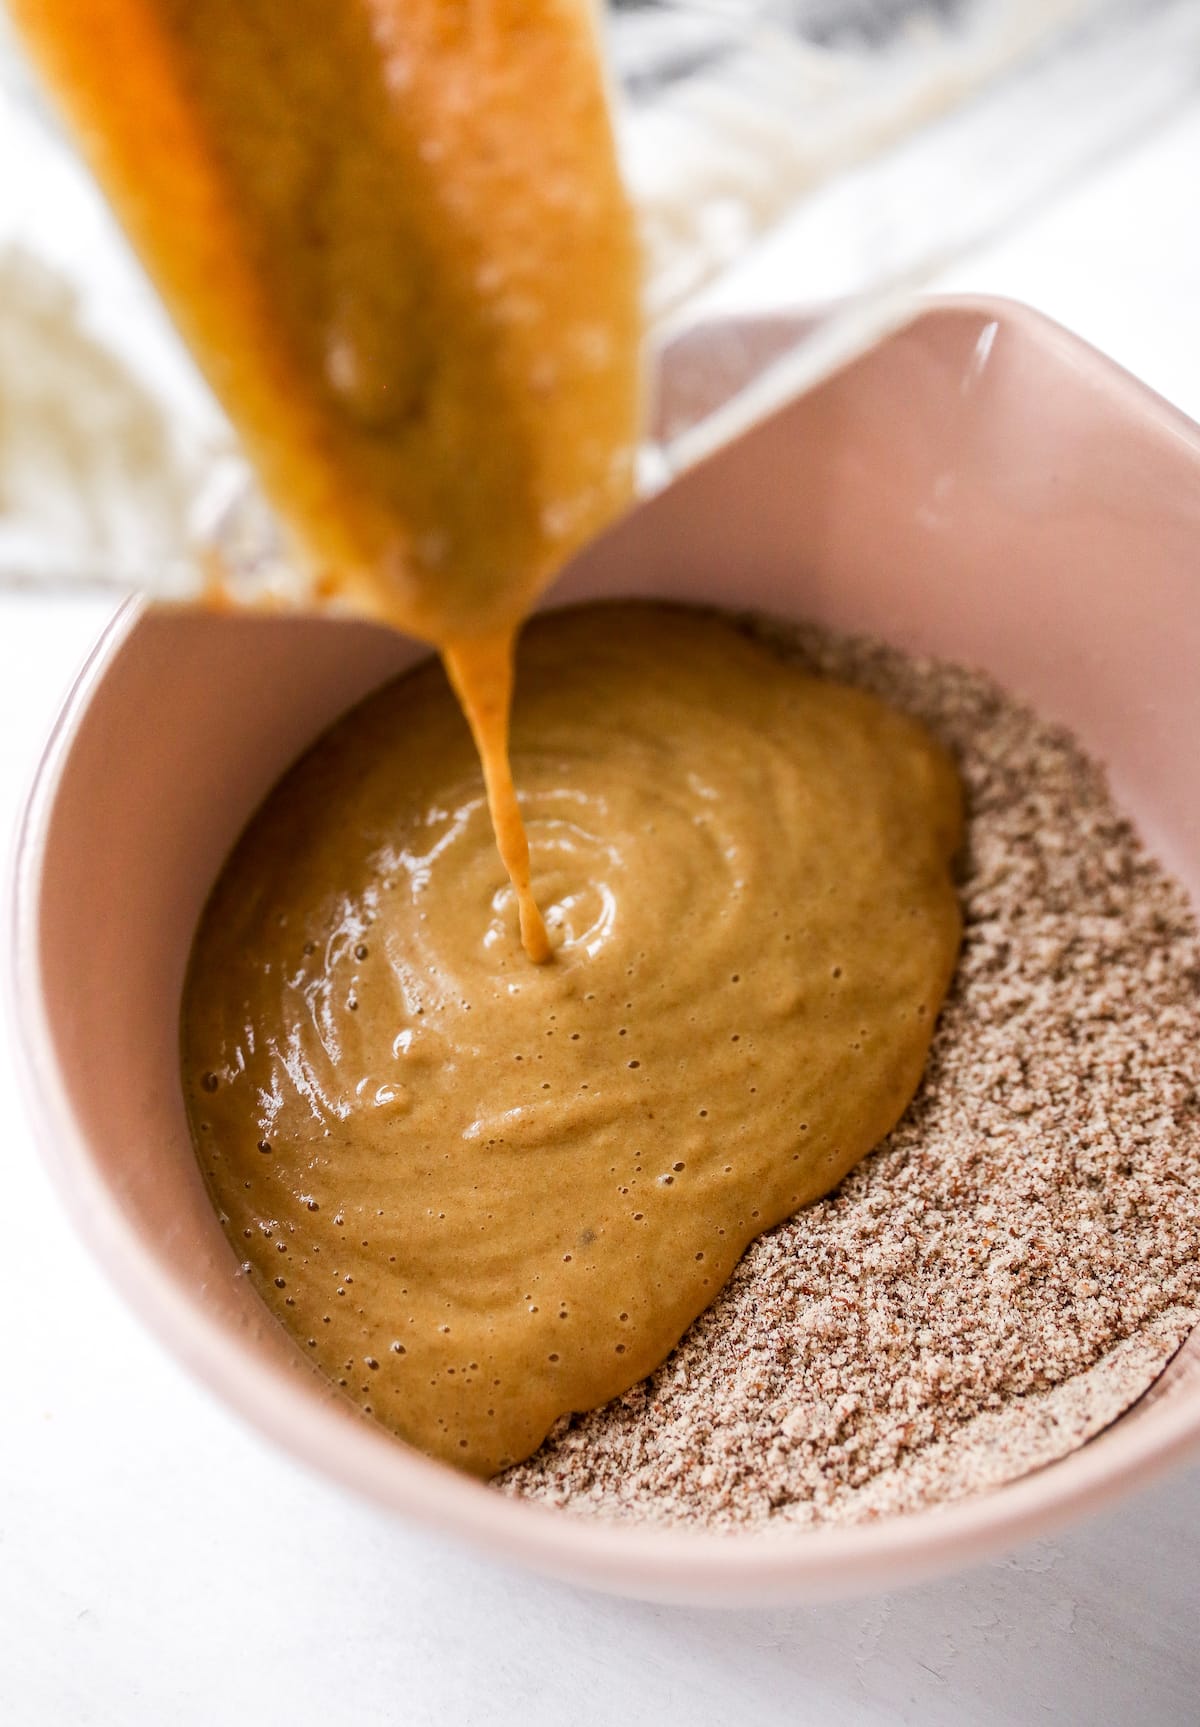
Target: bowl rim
x=703 y=1567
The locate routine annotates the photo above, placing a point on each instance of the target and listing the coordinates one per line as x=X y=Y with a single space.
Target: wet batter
x=480 y=1193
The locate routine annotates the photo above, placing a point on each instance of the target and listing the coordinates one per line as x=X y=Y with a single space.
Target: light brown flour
x=1020 y=1258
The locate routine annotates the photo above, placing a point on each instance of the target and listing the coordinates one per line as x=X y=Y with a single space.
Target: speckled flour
x=1020 y=1258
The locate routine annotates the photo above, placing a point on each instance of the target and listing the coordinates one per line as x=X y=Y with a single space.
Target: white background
x=160 y=1565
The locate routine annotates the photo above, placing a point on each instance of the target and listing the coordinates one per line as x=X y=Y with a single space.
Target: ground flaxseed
x=1020 y=1258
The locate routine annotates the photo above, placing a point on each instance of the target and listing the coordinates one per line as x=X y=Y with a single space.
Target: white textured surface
x=160 y=1566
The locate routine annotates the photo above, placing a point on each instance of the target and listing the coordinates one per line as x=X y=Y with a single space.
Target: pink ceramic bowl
x=982 y=487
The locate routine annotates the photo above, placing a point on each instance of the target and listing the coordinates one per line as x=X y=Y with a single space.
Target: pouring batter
x=395 y=237
x=480 y=1193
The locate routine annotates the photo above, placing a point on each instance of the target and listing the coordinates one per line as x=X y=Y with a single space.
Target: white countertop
x=161 y=1565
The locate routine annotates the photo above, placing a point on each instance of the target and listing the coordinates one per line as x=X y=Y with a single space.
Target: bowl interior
x=982 y=488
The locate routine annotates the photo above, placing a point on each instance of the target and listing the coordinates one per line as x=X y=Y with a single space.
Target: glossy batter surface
x=481 y=1193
